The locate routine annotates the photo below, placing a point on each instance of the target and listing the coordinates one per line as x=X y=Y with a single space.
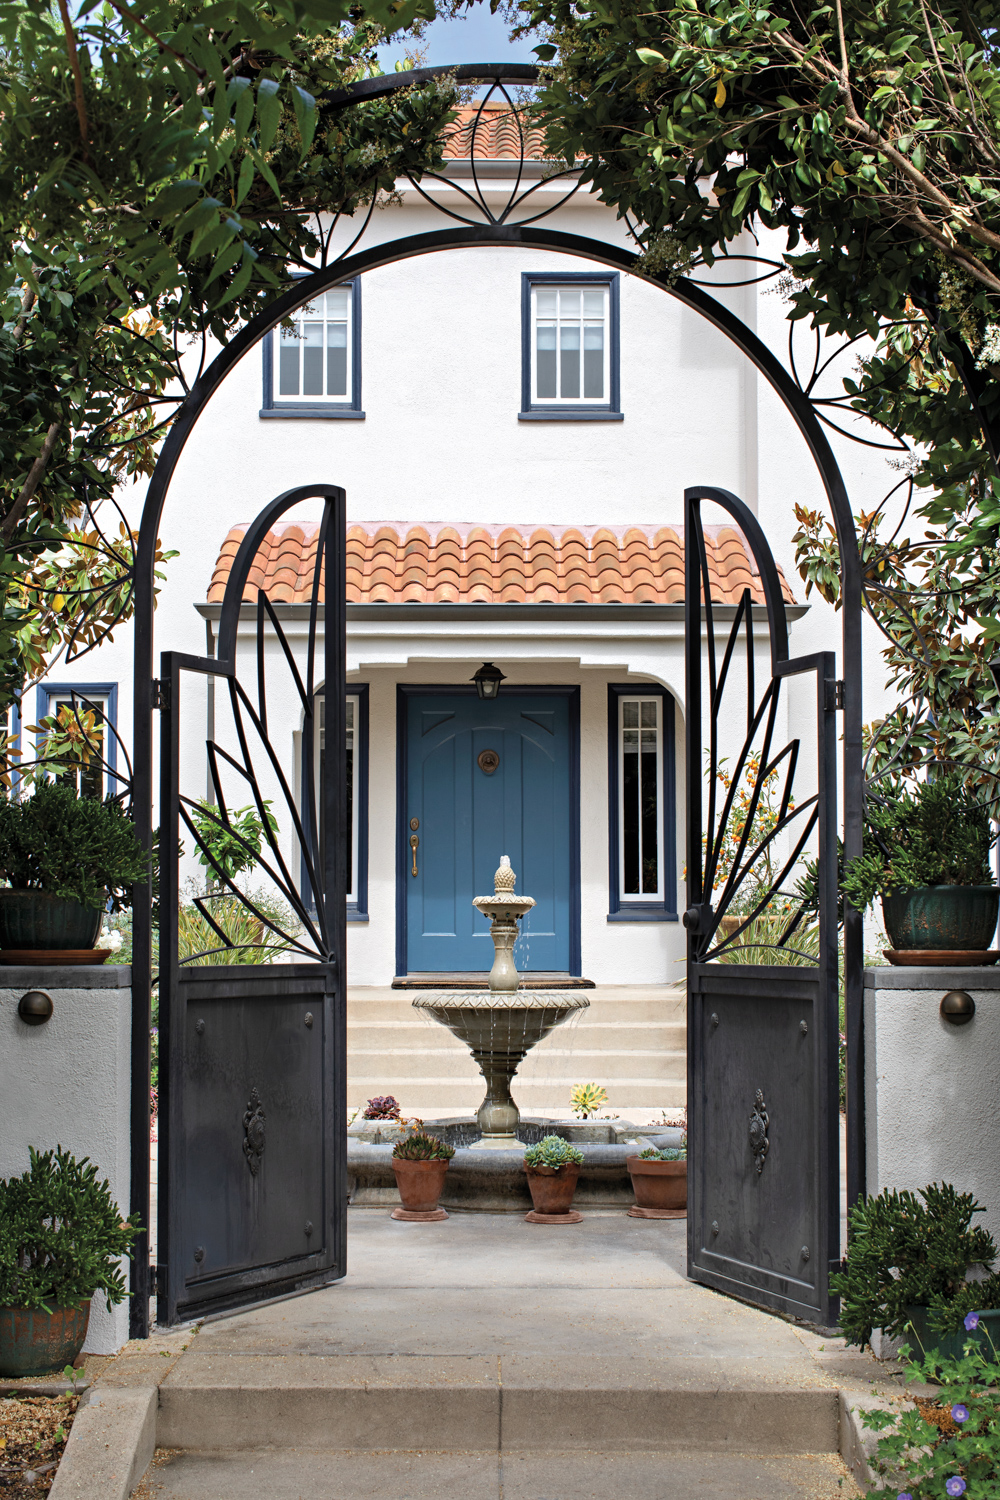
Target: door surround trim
x=406 y=690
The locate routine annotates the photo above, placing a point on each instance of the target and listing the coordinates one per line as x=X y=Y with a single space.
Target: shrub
x=586 y=1099
x=903 y=1253
x=253 y=942
x=422 y=1148
x=553 y=1151
x=61 y=1235
x=71 y=846
x=236 y=848
x=382 y=1107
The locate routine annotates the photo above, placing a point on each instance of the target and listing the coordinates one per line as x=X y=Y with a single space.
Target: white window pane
x=569 y=360
x=288 y=362
x=312 y=359
x=593 y=361
x=569 y=304
x=545 y=362
x=649 y=713
x=350 y=713
x=545 y=302
x=630 y=714
x=336 y=359
x=338 y=302
x=593 y=304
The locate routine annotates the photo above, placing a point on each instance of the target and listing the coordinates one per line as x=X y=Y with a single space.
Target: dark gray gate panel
x=253 y=1091
x=763 y=1149
x=257 y=1083
x=757 y=1185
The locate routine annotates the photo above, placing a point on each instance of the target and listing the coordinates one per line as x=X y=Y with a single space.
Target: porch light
x=995 y=671
x=488 y=680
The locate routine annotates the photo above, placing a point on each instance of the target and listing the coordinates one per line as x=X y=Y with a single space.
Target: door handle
x=414 y=841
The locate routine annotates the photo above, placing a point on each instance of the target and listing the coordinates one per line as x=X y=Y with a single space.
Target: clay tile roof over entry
x=400 y=562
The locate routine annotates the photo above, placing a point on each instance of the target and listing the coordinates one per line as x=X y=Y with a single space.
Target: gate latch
x=834 y=694
x=161 y=692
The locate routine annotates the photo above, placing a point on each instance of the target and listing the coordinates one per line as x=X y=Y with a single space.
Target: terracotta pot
x=552 y=1188
x=660 y=1187
x=420 y=1184
x=33 y=1342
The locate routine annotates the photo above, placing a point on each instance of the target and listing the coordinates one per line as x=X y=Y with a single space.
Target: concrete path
x=484 y=1356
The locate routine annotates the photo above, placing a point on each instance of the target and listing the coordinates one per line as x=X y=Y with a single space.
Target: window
x=643 y=876
x=569 y=356
x=356 y=764
x=312 y=365
x=96 y=778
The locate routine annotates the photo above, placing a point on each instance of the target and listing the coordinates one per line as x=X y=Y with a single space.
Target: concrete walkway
x=487 y=1357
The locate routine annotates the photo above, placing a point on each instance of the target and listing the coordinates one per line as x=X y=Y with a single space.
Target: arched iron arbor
x=478 y=224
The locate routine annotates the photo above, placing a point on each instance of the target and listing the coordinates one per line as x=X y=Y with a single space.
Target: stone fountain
x=501 y=1026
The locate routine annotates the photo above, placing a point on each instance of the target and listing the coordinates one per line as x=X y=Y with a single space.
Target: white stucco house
x=514 y=430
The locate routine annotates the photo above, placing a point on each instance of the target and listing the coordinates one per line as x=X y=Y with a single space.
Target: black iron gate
x=252 y=1183
x=763 y=1177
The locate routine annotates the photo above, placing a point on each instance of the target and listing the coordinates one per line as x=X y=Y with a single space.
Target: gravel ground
x=33 y=1433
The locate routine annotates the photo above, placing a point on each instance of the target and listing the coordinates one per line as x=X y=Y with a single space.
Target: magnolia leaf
x=268 y=111
x=720 y=94
x=649 y=57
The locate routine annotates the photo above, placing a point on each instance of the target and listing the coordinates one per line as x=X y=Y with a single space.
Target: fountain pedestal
x=501 y=1026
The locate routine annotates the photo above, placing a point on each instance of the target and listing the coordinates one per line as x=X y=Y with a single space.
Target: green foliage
x=942 y=835
x=70 y=846
x=587 y=1098
x=553 y=1151
x=668 y=1153
x=232 y=839
x=61 y=1235
x=163 y=175
x=250 y=940
x=918 y=1455
x=420 y=1147
x=904 y=1253
x=868 y=139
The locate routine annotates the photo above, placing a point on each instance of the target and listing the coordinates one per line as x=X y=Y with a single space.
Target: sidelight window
x=91 y=710
x=356 y=792
x=642 y=823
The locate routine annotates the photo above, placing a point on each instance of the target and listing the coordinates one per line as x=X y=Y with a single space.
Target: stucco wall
x=931 y=1087
x=66 y=1083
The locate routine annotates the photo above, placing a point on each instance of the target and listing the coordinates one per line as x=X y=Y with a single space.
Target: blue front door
x=473 y=806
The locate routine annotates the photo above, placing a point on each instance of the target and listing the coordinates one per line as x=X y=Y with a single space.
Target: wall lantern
x=958 y=1007
x=488 y=680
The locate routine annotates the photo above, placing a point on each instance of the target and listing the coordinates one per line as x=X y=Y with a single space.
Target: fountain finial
x=504 y=880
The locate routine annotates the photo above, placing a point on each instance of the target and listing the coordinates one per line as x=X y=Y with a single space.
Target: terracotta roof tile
x=491 y=134
x=398 y=562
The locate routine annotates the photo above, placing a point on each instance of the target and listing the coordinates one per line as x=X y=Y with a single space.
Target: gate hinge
x=834 y=694
x=161 y=692
x=157 y=1279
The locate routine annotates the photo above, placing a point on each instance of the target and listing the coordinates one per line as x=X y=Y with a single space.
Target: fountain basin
x=500 y=1028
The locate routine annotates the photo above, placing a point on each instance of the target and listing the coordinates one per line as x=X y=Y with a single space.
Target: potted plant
x=64 y=857
x=61 y=1242
x=907 y=1266
x=420 y=1162
x=553 y=1167
x=927 y=855
x=659 y=1181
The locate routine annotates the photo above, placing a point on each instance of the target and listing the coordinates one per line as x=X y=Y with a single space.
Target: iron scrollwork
x=759 y=1121
x=254 y=1122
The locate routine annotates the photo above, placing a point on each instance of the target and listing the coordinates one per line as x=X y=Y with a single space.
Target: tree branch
x=74 y=67
x=35 y=473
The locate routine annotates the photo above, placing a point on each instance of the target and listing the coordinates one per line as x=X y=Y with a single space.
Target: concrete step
x=230 y=1474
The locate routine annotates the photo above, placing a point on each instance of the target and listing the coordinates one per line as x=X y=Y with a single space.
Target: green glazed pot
x=34 y=1342
x=962 y=917
x=36 y=919
x=951 y=1345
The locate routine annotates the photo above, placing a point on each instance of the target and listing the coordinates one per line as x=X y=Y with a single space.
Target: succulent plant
x=553 y=1151
x=586 y=1099
x=382 y=1107
x=420 y=1147
x=669 y=1153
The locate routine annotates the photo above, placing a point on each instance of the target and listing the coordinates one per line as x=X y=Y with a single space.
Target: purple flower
x=971 y=1322
x=960 y=1413
x=905 y=1496
x=955 y=1485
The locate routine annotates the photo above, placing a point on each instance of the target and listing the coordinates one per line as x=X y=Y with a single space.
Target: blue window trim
x=406 y=690
x=357 y=911
x=643 y=911
x=323 y=410
x=533 y=411
x=109 y=690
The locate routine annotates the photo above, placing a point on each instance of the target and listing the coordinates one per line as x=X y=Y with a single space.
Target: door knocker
x=253 y=1138
x=488 y=761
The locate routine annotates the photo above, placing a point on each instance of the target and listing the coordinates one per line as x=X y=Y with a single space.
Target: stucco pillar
x=66 y=1083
